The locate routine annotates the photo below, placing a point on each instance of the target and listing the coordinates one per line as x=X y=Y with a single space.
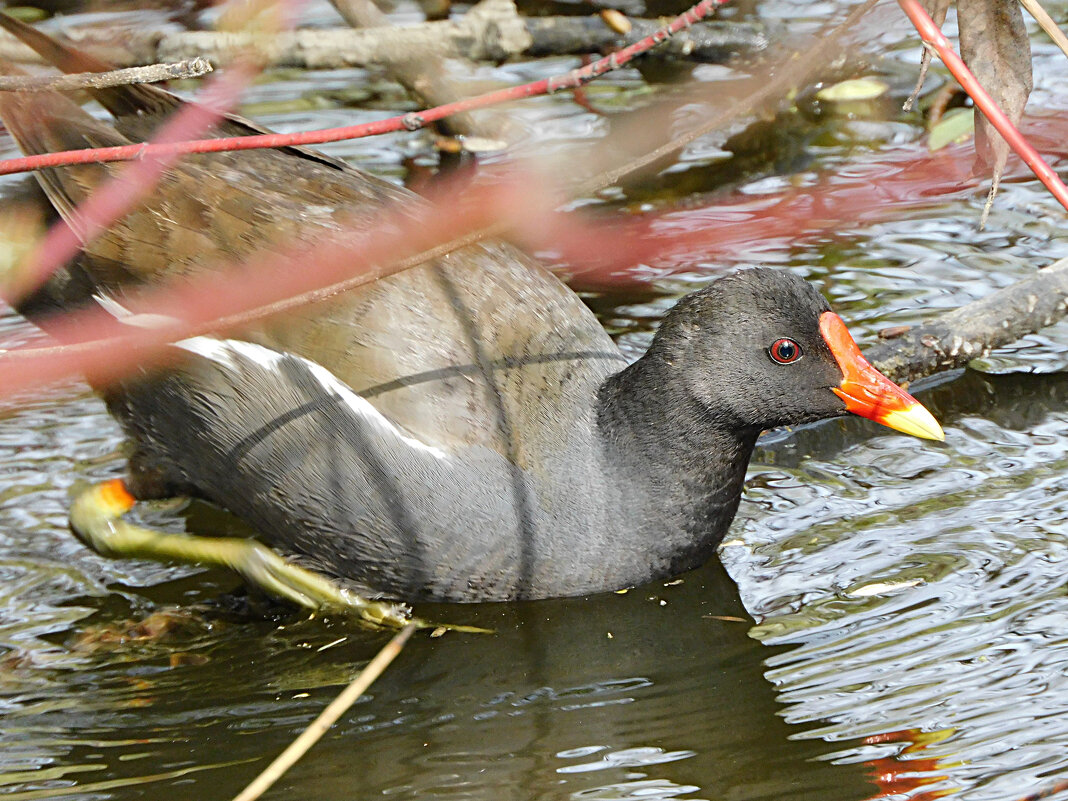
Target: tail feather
x=196 y=219
x=45 y=122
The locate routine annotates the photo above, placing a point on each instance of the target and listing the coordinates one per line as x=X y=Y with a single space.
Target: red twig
x=412 y=121
x=931 y=34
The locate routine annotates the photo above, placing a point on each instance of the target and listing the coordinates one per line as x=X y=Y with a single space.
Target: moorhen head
x=464 y=430
x=762 y=349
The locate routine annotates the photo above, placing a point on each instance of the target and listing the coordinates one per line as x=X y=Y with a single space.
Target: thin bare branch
x=1047 y=23
x=938 y=10
x=329 y=716
x=153 y=73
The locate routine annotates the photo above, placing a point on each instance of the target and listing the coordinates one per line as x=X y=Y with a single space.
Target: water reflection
x=965 y=634
x=648 y=694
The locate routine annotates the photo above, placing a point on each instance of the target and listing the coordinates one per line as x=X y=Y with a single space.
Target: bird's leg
x=96 y=518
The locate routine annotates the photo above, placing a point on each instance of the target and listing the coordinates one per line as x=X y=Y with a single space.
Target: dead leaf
x=937 y=10
x=616 y=20
x=994 y=45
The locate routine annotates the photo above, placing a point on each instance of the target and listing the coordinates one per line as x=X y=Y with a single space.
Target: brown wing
x=481 y=347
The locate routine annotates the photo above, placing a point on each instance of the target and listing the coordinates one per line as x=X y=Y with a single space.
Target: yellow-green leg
x=96 y=517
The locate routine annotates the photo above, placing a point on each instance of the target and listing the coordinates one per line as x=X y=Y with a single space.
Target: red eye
x=784 y=351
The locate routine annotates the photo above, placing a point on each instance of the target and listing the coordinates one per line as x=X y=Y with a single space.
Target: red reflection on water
x=740 y=227
x=903 y=773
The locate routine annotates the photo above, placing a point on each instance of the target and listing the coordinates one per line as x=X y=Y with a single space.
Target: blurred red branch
x=743 y=228
x=412 y=121
x=933 y=36
x=93 y=344
x=598 y=254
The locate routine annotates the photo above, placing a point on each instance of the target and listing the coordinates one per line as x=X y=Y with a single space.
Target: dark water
x=911 y=621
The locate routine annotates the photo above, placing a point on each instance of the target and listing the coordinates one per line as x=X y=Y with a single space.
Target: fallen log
x=954 y=338
x=496 y=35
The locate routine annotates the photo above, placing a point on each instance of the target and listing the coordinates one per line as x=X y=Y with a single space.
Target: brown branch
x=153 y=73
x=494 y=36
x=710 y=42
x=954 y=338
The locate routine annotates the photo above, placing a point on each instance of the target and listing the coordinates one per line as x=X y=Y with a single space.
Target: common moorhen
x=461 y=431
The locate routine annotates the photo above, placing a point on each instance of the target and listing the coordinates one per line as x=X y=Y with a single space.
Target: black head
x=749 y=349
x=762 y=348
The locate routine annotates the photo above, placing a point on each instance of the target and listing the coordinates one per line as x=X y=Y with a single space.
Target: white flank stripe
x=222 y=352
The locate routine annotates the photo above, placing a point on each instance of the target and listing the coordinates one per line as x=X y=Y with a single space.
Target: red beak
x=868 y=392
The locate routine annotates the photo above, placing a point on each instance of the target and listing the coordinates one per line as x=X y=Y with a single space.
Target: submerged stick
x=327 y=718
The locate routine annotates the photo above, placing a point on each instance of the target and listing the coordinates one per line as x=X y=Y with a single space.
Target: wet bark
x=954 y=338
x=707 y=42
x=153 y=73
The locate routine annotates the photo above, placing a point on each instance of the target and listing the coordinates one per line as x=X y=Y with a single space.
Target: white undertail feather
x=127 y=317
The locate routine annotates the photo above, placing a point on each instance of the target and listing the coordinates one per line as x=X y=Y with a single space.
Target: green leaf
x=852 y=90
x=956 y=125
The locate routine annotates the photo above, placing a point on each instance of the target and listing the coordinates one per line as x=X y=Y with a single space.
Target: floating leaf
x=883 y=588
x=853 y=90
x=956 y=125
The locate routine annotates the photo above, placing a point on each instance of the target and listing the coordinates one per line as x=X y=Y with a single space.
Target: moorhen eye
x=784 y=351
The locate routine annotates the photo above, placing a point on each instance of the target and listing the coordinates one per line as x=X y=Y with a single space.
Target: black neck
x=680 y=468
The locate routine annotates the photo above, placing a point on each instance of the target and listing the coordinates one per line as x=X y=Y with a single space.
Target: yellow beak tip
x=917 y=421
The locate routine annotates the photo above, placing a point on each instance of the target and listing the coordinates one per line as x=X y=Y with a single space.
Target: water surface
x=895 y=624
